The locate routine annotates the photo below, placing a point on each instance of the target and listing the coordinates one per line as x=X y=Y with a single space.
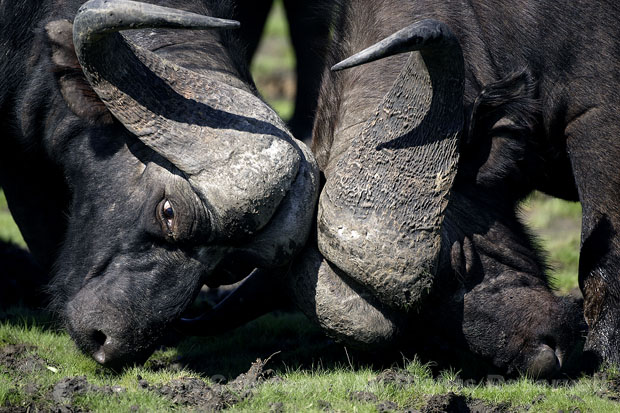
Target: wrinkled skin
x=133 y=226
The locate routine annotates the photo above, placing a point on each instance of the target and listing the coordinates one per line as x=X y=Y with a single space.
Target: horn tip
x=345 y=64
x=360 y=58
x=232 y=24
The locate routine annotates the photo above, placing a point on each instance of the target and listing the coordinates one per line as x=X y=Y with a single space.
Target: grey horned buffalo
x=140 y=165
x=426 y=156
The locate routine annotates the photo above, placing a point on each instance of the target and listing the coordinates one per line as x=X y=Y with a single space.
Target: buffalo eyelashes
x=166 y=214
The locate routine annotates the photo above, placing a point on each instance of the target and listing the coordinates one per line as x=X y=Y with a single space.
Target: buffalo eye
x=168 y=212
x=167 y=215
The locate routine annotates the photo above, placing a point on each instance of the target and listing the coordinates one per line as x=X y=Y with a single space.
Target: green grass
x=557 y=223
x=300 y=386
x=8 y=228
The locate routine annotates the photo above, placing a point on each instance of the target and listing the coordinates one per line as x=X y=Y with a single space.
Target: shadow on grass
x=291 y=341
x=286 y=337
x=27 y=318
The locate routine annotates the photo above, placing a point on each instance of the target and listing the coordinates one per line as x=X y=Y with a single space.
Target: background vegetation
x=307 y=371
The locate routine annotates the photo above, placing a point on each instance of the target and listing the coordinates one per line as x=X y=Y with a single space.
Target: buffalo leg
x=309 y=29
x=252 y=15
x=592 y=142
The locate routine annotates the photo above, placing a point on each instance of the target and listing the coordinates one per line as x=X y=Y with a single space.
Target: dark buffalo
x=141 y=165
x=426 y=157
x=539 y=111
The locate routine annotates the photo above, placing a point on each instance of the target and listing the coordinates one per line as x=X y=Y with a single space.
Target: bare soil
x=187 y=393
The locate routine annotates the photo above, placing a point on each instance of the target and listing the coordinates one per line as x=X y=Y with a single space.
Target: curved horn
x=381 y=210
x=97 y=18
x=233 y=148
x=163 y=104
x=428 y=35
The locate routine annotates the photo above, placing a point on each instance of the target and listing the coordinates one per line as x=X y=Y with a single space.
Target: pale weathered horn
x=381 y=210
x=233 y=148
x=96 y=18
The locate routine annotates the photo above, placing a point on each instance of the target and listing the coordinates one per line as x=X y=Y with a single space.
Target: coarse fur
x=540 y=105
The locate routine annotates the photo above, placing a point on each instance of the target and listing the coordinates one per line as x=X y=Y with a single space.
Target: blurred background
x=556 y=223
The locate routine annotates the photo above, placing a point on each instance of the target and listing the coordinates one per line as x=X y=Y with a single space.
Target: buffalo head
x=408 y=244
x=172 y=171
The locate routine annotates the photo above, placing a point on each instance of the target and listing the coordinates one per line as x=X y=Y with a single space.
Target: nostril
x=98 y=338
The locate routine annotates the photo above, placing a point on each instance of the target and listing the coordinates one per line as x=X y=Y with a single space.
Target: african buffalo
x=140 y=165
x=425 y=158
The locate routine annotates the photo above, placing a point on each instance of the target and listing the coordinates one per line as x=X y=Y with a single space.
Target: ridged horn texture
x=234 y=149
x=382 y=208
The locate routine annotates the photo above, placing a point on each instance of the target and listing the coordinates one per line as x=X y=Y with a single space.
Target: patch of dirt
x=185 y=392
x=363 y=396
x=20 y=358
x=60 y=397
x=194 y=393
x=455 y=403
x=446 y=403
x=387 y=406
x=67 y=388
x=481 y=406
x=396 y=377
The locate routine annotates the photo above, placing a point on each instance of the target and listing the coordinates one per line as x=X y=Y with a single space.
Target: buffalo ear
x=75 y=89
